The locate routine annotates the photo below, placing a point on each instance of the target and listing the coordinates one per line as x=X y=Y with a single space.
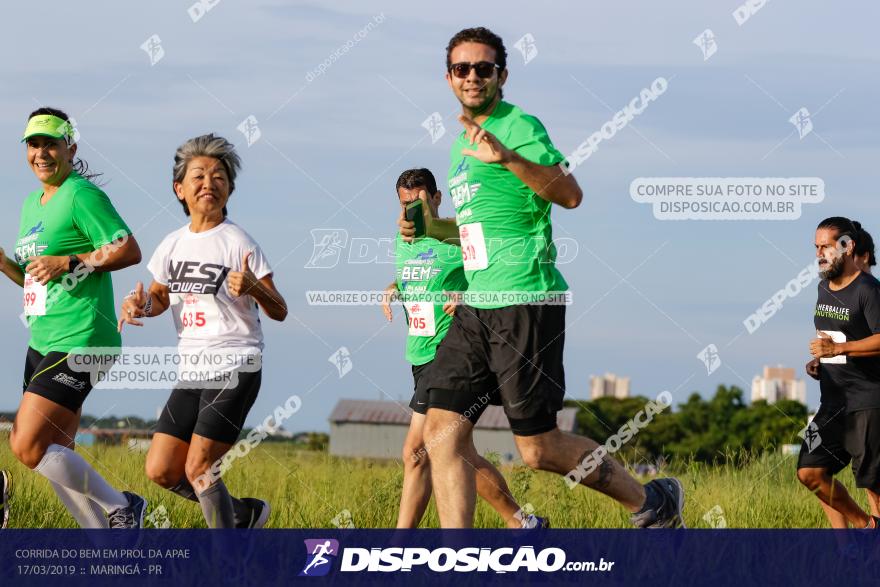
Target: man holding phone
x=504 y=176
x=426 y=269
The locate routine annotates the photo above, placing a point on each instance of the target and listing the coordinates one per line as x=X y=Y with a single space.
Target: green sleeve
x=530 y=140
x=95 y=216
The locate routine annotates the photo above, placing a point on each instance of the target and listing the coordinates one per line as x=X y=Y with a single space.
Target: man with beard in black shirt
x=848 y=422
x=865 y=259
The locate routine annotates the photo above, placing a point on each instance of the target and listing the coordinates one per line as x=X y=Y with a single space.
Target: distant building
x=791 y=449
x=778 y=383
x=134 y=438
x=377 y=429
x=609 y=385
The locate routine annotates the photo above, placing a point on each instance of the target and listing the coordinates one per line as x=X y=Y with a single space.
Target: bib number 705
x=421 y=319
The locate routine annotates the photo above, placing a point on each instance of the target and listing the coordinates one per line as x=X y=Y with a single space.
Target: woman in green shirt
x=70 y=238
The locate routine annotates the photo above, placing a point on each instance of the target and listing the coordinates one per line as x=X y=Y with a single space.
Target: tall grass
x=309 y=489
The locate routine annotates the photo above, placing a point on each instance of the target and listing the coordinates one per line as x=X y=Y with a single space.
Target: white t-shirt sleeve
x=257 y=261
x=158 y=265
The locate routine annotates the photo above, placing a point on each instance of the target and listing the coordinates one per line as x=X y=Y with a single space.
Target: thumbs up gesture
x=133 y=307
x=239 y=283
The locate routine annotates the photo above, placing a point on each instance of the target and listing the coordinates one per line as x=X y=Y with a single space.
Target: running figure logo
x=153 y=48
x=434 y=125
x=250 y=129
x=320 y=554
x=715 y=517
x=706 y=42
x=342 y=359
x=811 y=437
x=327 y=247
x=527 y=47
x=710 y=357
x=802 y=122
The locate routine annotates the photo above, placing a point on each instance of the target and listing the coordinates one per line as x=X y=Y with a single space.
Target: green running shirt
x=79 y=218
x=426 y=266
x=507 y=236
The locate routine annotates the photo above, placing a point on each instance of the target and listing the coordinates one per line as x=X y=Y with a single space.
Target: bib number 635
x=193 y=319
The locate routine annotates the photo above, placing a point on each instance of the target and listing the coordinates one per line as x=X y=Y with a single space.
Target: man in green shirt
x=426 y=268
x=508 y=336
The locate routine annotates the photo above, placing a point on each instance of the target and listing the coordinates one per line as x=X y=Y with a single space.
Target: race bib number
x=473 y=246
x=836 y=336
x=199 y=315
x=421 y=319
x=34 y=297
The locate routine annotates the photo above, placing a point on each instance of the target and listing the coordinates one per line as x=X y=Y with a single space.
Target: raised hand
x=488 y=149
x=240 y=283
x=407 y=227
x=133 y=307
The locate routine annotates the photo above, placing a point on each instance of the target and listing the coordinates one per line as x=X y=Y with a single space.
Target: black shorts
x=419 y=402
x=862 y=440
x=823 y=444
x=51 y=377
x=217 y=413
x=515 y=351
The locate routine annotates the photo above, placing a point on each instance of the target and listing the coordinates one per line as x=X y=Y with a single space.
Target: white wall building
x=778 y=383
x=609 y=385
x=377 y=429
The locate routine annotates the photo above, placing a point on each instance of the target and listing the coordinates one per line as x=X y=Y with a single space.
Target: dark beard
x=836 y=269
x=476 y=111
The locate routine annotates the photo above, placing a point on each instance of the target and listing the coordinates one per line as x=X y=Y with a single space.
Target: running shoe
x=130 y=516
x=5 y=495
x=667 y=514
x=259 y=513
x=533 y=522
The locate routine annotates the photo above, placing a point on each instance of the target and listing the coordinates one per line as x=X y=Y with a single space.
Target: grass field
x=310 y=489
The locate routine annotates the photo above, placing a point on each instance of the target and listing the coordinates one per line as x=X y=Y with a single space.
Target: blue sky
x=331 y=149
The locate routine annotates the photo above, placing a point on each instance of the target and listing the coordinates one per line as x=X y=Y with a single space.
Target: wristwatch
x=73 y=263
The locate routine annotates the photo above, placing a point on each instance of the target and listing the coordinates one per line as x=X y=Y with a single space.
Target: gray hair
x=206 y=146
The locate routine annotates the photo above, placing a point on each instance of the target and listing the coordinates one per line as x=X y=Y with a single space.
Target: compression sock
x=68 y=469
x=87 y=513
x=217 y=506
x=185 y=490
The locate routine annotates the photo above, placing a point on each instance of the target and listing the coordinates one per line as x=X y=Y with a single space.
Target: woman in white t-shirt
x=215 y=279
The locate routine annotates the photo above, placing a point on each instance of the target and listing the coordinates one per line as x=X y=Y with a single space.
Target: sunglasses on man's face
x=484 y=69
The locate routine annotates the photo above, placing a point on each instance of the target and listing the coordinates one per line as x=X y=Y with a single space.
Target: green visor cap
x=50 y=126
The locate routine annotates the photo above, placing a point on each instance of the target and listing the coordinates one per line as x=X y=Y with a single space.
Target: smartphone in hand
x=414 y=214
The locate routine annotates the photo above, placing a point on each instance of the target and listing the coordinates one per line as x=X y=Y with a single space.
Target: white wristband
x=148 y=307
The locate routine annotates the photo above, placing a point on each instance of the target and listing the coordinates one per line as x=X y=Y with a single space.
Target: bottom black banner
x=426 y=557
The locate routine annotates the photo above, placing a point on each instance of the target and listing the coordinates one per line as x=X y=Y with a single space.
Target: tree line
x=713 y=430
